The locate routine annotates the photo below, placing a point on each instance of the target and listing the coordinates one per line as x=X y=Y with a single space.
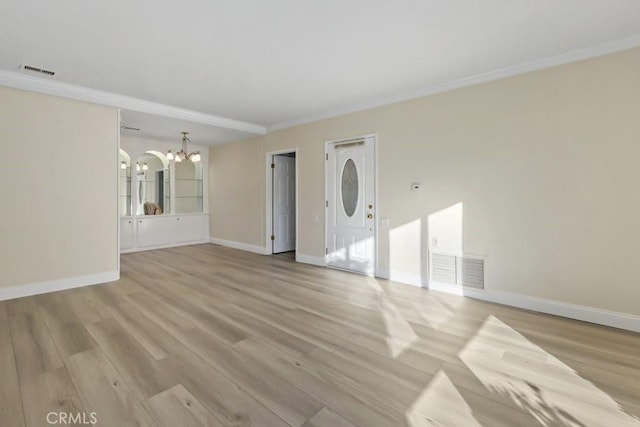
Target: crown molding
x=552 y=61
x=79 y=93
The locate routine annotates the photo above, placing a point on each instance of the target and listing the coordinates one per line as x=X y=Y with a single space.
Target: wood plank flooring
x=210 y=336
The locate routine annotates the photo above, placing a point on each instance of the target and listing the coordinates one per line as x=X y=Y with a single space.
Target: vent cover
x=38 y=70
x=443 y=268
x=472 y=272
x=458 y=270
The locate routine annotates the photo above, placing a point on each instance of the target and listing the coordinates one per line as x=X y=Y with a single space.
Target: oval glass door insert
x=349 y=188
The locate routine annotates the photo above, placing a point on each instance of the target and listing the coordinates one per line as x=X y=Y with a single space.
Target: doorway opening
x=282 y=202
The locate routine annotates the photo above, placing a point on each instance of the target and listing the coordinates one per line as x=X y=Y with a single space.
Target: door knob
x=370 y=216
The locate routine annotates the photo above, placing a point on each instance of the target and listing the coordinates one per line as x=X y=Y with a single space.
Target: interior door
x=351 y=205
x=284 y=203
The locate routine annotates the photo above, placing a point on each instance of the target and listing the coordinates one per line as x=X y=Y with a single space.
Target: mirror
x=152 y=178
x=188 y=186
x=124 y=183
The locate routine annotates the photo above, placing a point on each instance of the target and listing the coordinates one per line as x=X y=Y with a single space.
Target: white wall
x=59 y=192
x=544 y=167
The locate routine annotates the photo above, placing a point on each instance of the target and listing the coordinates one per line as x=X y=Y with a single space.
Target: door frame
x=269 y=199
x=328 y=144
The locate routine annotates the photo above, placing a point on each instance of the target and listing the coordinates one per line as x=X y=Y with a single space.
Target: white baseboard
x=57 y=285
x=238 y=245
x=572 y=311
x=598 y=316
x=313 y=260
x=407 y=279
x=167 y=246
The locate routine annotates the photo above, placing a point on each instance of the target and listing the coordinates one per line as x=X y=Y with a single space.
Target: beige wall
x=237 y=184
x=59 y=188
x=545 y=165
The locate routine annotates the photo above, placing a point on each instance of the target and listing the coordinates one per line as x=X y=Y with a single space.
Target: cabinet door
x=126 y=233
x=156 y=231
x=190 y=228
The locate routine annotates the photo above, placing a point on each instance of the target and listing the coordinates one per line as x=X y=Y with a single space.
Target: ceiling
x=270 y=63
x=169 y=129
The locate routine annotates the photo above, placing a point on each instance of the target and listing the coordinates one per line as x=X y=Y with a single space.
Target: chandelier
x=182 y=154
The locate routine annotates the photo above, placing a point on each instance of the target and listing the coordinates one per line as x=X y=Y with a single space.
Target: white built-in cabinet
x=126 y=233
x=151 y=232
x=180 y=190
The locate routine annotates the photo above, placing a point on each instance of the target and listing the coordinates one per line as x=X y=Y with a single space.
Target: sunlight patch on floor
x=399 y=333
x=436 y=311
x=440 y=404
x=509 y=364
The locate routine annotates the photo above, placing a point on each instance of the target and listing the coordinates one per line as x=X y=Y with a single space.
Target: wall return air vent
x=458 y=270
x=38 y=70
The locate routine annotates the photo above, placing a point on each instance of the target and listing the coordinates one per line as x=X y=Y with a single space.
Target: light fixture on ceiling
x=182 y=154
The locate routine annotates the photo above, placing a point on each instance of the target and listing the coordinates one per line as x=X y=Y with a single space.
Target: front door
x=284 y=203
x=351 y=205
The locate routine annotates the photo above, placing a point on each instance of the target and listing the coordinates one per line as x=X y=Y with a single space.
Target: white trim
x=407 y=279
x=269 y=198
x=552 y=61
x=598 y=316
x=572 y=311
x=313 y=260
x=381 y=274
x=79 y=93
x=57 y=285
x=117 y=213
x=168 y=245
x=238 y=245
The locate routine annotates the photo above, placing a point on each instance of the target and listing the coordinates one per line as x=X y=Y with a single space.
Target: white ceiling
x=275 y=62
x=169 y=129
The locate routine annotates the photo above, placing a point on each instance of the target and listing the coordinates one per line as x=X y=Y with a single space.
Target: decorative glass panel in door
x=349 y=188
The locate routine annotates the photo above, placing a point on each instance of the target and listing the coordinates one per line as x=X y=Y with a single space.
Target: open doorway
x=281 y=202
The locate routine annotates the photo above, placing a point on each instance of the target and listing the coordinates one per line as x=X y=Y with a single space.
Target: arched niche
x=124 y=183
x=152 y=180
x=188 y=186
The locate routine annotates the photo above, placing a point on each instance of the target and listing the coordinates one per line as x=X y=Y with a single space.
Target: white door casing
x=351 y=205
x=284 y=203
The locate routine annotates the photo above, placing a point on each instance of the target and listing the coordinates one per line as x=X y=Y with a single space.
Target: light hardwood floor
x=205 y=335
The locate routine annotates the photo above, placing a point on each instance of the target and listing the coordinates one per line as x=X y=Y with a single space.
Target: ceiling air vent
x=38 y=70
